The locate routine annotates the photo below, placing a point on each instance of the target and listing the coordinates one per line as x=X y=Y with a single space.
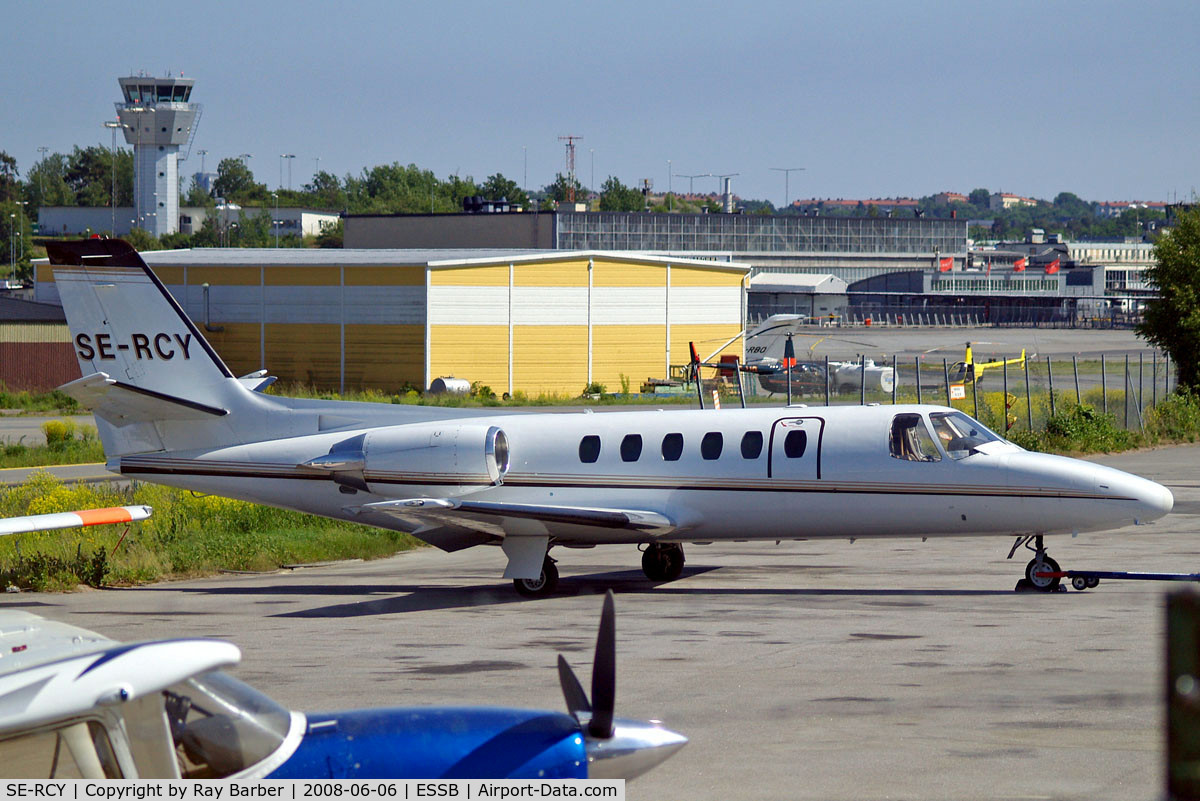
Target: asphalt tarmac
x=823 y=670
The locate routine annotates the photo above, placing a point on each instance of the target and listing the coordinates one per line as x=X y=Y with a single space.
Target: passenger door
x=795 y=448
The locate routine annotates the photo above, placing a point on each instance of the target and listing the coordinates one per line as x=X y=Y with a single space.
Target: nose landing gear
x=1039 y=564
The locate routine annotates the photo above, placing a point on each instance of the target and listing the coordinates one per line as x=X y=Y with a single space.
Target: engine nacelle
x=467 y=453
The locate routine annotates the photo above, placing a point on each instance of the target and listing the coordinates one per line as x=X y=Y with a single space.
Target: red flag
x=946 y=264
x=1052 y=267
x=989 y=269
x=1019 y=265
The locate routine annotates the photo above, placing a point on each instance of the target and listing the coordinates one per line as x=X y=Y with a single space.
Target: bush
x=59 y=433
x=1176 y=419
x=594 y=388
x=1080 y=428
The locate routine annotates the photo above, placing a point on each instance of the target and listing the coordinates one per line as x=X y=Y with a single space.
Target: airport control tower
x=158 y=119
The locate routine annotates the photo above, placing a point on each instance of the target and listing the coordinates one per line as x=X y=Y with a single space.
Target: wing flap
x=486 y=516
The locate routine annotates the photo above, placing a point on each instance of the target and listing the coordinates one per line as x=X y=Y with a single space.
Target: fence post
x=895 y=379
x=826 y=379
x=1154 y=380
x=1141 y=393
x=917 y=363
x=1126 y=390
x=1075 y=367
x=1004 y=402
x=1103 y=385
x=975 y=395
x=862 y=376
x=946 y=375
x=1050 y=378
x=1028 y=398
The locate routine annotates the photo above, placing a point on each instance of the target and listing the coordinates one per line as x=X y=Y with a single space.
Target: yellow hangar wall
x=555 y=326
x=534 y=325
x=332 y=327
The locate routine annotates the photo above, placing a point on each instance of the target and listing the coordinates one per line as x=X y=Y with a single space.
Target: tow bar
x=1087 y=579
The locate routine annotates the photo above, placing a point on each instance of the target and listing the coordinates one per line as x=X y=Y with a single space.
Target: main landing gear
x=544 y=584
x=1040 y=563
x=662 y=561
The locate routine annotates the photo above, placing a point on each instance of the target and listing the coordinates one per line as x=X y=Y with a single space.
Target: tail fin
x=142 y=359
x=124 y=322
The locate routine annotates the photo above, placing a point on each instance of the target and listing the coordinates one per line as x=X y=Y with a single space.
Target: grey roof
x=14 y=310
x=367 y=257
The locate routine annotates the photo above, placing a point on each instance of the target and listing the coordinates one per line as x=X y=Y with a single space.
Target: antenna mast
x=570 y=139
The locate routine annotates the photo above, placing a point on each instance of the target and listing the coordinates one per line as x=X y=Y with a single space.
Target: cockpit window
x=959 y=433
x=221 y=726
x=910 y=440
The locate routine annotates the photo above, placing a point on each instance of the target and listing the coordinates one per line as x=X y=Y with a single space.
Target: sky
x=870 y=98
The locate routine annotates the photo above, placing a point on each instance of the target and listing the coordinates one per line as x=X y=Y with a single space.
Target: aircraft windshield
x=959 y=433
x=221 y=726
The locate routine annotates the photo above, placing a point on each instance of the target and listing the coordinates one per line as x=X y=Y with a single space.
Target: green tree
x=980 y=198
x=196 y=196
x=497 y=187
x=10 y=187
x=15 y=233
x=1172 y=320
x=46 y=183
x=235 y=182
x=332 y=235
x=615 y=196
x=559 y=191
x=326 y=192
x=89 y=175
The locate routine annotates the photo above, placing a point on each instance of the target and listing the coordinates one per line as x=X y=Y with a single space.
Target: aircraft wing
x=462 y=523
x=88 y=517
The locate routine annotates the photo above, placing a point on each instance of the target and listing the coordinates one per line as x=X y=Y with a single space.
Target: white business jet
x=169 y=410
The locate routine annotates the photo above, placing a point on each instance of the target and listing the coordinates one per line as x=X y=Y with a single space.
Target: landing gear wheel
x=541 y=586
x=662 y=561
x=1093 y=583
x=1080 y=583
x=1042 y=564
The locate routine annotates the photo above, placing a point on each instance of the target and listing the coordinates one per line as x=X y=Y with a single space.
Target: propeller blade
x=572 y=690
x=604 y=673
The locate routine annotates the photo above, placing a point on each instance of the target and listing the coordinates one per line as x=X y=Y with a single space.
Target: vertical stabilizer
x=124 y=323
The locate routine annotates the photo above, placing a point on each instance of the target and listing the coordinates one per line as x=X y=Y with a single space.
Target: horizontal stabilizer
x=121 y=404
x=466 y=511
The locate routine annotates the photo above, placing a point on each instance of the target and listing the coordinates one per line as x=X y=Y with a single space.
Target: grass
x=53 y=402
x=188 y=535
x=66 y=443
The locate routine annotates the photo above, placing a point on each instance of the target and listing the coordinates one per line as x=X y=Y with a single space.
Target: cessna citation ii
x=168 y=410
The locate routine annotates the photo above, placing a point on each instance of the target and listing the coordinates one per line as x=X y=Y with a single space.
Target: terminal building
x=537 y=322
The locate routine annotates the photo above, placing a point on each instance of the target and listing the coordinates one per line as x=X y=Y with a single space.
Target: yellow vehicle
x=970 y=371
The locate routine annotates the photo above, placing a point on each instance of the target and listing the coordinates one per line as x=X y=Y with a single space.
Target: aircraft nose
x=1153 y=500
x=635 y=747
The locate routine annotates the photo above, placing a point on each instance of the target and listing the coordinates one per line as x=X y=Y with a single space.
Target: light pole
x=670 y=200
x=787 y=173
x=113 y=125
x=42 y=172
x=275 y=219
x=12 y=245
x=525 y=168
x=288 y=156
x=592 y=151
x=692 y=180
x=316 y=166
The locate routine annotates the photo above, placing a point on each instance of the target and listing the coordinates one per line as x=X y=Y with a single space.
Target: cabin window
x=78 y=751
x=795 y=443
x=710 y=446
x=589 y=449
x=672 y=447
x=910 y=440
x=752 y=442
x=631 y=448
x=959 y=433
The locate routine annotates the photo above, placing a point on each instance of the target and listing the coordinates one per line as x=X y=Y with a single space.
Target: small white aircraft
x=76 y=705
x=169 y=410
